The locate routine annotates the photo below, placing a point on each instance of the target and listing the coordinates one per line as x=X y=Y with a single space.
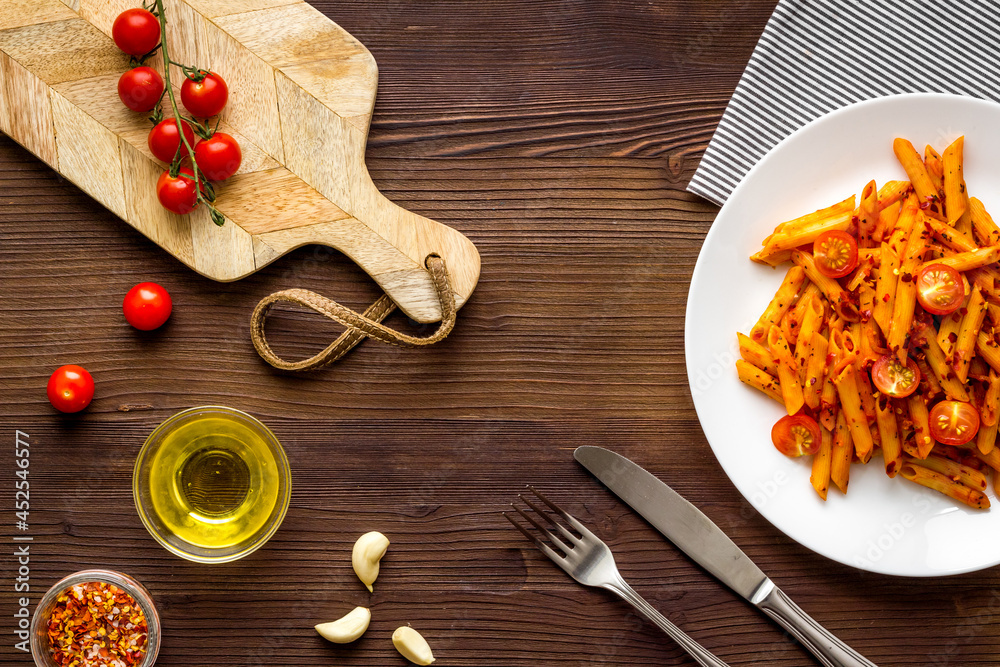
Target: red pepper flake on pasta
x=97 y=625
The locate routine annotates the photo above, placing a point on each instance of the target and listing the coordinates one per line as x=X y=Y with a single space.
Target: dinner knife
x=696 y=535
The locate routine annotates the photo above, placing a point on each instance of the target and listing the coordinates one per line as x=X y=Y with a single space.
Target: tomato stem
x=216 y=216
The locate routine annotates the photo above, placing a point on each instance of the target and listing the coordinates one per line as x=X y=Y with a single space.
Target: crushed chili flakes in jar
x=97 y=624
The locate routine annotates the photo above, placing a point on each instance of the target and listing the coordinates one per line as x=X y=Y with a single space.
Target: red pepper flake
x=97 y=624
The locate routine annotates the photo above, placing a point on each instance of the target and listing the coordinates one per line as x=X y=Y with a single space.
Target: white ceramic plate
x=890 y=526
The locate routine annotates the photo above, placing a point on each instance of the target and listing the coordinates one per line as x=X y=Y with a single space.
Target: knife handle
x=831 y=651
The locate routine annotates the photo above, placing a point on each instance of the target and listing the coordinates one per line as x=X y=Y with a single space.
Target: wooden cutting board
x=301 y=96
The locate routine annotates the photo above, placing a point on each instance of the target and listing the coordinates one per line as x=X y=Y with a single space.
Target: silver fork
x=589 y=560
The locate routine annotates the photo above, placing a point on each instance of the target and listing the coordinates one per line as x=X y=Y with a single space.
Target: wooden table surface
x=559 y=136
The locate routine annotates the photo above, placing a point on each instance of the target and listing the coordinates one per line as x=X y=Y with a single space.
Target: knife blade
x=704 y=542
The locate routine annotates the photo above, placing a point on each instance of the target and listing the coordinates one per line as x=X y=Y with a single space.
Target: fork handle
x=701 y=654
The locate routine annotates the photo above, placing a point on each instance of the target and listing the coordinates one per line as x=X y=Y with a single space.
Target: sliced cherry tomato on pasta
x=954 y=422
x=795 y=435
x=940 y=289
x=893 y=378
x=836 y=253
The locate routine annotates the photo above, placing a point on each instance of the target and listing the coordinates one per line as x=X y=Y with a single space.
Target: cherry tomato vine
x=203 y=92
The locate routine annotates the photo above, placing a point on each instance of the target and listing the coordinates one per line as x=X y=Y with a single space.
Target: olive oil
x=213 y=482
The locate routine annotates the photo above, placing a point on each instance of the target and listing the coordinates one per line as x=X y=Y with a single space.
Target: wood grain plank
x=273 y=200
x=16 y=13
x=89 y=155
x=292 y=34
x=217 y=8
x=41 y=49
x=252 y=107
x=20 y=89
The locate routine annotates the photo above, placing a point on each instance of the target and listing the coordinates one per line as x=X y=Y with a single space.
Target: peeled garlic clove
x=347 y=628
x=412 y=646
x=368 y=551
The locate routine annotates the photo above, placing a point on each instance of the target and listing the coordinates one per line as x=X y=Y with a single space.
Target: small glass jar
x=39 y=622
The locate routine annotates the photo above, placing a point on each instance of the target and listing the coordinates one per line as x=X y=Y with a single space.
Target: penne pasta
x=868 y=216
x=982 y=224
x=943 y=371
x=888 y=429
x=990 y=408
x=812 y=386
x=829 y=344
x=885 y=289
x=759 y=379
x=846 y=381
x=756 y=354
x=812 y=323
x=915 y=169
x=989 y=350
x=921 y=427
x=968 y=331
x=935 y=170
x=841 y=454
x=805 y=230
x=783 y=299
x=788 y=376
x=821 y=463
x=941 y=483
x=906 y=289
x=892 y=192
x=838 y=297
x=970 y=477
x=953 y=184
x=971 y=259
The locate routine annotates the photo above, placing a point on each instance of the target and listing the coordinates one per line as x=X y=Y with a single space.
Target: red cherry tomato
x=206 y=97
x=164 y=139
x=795 y=435
x=836 y=253
x=136 y=31
x=893 y=378
x=954 y=422
x=70 y=388
x=219 y=156
x=177 y=195
x=940 y=289
x=147 y=306
x=140 y=88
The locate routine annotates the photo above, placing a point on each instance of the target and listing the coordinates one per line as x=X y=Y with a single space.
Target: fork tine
x=577 y=526
x=570 y=540
x=556 y=542
x=557 y=558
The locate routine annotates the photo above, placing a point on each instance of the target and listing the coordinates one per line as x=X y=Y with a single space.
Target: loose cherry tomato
x=140 y=88
x=219 y=156
x=836 y=253
x=954 y=422
x=894 y=378
x=136 y=31
x=178 y=195
x=940 y=289
x=147 y=306
x=795 y=435
x=206 y=97
x=70 y=388
x=164 y=139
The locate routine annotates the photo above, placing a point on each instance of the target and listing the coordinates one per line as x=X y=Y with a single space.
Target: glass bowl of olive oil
x=212 y=484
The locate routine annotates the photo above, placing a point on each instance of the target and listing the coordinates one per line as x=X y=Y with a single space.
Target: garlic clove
x=347 y=628
x=368 y=551
x=412 y=646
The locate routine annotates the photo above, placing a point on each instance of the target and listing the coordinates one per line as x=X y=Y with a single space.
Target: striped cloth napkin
x=819 y=55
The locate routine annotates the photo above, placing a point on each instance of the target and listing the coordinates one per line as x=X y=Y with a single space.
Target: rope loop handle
x=359 y=325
